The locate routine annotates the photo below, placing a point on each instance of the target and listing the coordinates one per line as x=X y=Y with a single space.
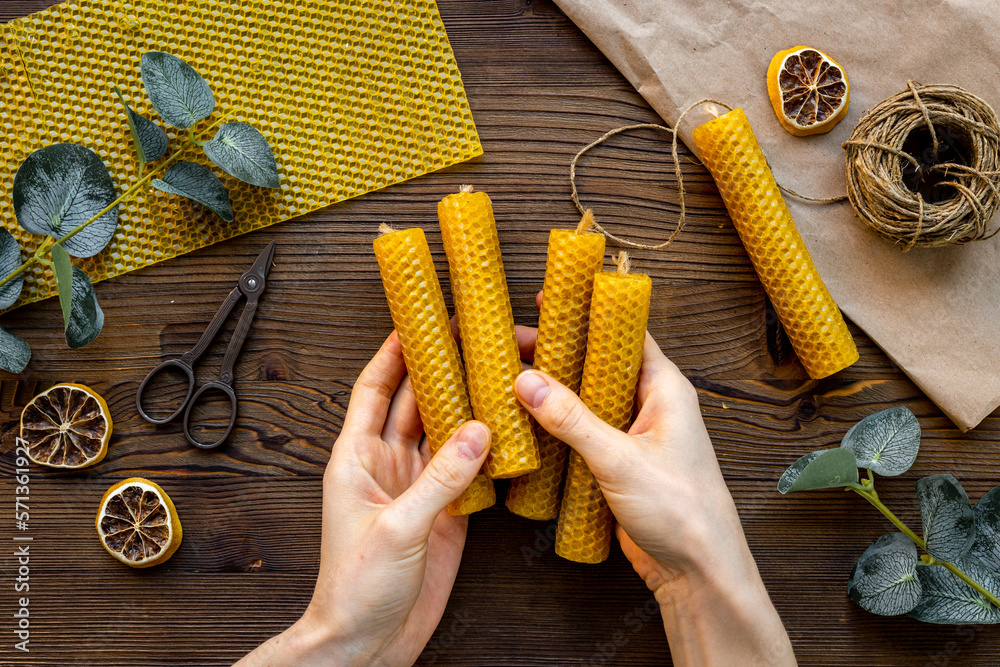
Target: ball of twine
x=876 y=163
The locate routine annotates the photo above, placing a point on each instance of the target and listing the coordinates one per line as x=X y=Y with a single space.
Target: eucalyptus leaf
x=86 y=317
x=884 y=580
x=243 y=152
x=177 y=91
x=197 y=182
x=987 y=513
x=149 y=138
x=949 y=525
x=60 y=187
x=14 y=352
x=948 y=599
x=886 y=442
x=63 y=269
x=824 y=469
x=10 y=261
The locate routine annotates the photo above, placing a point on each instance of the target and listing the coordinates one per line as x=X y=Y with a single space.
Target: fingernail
x=532 y=388
x=473 y=440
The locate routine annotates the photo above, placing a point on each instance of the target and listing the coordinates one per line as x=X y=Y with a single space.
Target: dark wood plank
x=539 y=91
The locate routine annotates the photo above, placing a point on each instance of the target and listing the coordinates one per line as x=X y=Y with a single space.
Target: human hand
x=676 y=520
x=390 y=552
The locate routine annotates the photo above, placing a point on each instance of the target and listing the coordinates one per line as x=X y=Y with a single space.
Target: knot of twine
x=876 y=162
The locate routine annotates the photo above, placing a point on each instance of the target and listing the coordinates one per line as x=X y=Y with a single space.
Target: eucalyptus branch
x=891 y=578
x=183 y=99
x=954 y=569
x=38 y=256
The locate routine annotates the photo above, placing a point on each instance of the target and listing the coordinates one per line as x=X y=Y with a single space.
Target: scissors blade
x=253 y=281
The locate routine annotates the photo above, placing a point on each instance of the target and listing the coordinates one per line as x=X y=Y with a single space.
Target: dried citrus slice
x=808 y=90
x=68 y=426
x=138 y=524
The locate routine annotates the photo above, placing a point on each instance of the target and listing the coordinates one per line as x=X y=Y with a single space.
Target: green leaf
x=60 y=187
x=825 y=469
x=177 y=91
x=243 y=152
x=949 y=525
x=14 y=352
x=63 y=269
x=948 y=599
x=86 y=317
x=197 y=182
x=884 y=580
x=987 y=513
x=886 y=442
x=149 y=138
x=10 y=261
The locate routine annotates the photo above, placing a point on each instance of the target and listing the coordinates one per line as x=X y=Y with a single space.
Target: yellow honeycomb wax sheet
x=352 y=95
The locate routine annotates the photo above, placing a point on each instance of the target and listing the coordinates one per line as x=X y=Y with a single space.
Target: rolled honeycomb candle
x=574 y=258
x=429 y=348
x=619 y=311
x=486 y=325
x=811 y=318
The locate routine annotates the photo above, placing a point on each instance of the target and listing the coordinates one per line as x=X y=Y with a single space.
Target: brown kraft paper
x=935 y=311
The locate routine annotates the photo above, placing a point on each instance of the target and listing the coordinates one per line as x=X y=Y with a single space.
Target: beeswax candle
x=574 y=258
x=619 y=311
x=486 y=324
x=429 y=349
x=812 y=320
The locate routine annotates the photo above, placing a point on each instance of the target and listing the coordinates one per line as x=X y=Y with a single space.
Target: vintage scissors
x=251 y=285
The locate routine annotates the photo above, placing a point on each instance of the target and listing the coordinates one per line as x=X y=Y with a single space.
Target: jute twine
x=875 y=166
x=876 y=160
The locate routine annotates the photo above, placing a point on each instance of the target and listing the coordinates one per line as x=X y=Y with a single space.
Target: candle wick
x=465 y=188
x=586 y=222
x=622 y=262
x=385 y=228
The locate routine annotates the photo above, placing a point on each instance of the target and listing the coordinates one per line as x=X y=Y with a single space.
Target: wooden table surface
x=539 y=91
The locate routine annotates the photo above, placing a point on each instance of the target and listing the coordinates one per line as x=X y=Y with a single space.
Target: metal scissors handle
x=251 y=285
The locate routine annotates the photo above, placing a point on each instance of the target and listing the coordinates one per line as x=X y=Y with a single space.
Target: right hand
x=676 y=521
x=661 y=479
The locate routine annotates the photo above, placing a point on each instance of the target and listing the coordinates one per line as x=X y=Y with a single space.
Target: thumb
x=561 y=412
x=448 y=474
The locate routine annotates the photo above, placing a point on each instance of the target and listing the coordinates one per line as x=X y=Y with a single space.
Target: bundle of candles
x=591 y=332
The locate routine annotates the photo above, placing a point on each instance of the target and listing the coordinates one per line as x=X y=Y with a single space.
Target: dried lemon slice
x=138 y=524
x=68 y=426
x=808 y=90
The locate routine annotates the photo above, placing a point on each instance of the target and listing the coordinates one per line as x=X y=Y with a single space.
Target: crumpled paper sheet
x=352 y=95
x=936 y=311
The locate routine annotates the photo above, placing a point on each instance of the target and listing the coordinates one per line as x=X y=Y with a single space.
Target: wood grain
x=539 y=91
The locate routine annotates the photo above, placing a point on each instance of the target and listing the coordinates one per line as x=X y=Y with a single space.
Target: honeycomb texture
x=429 y=349
x=811 y=318
x=352 y=97
x=573 y=261
x=619 y=311
x=486 y=324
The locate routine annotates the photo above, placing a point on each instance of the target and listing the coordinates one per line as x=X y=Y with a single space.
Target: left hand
x=390 y=552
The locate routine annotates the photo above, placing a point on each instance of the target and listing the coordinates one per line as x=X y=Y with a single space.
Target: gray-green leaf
x=149 y=138
x=946 y=515
x=884 y=580
x=63 y=269
x=243 y=152
x=825 y=469
x=177 y=91
x=197 y=182
x=886 y=442
x=948 y=599
x=86 y=317
x=987 y=545
x=10 y=261
x=60 y=187
x=14 y=352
